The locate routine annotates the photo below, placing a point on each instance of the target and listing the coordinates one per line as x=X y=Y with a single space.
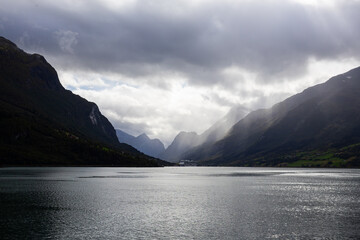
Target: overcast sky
x=160 y=67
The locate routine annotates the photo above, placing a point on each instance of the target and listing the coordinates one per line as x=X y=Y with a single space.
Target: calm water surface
x=179 y=203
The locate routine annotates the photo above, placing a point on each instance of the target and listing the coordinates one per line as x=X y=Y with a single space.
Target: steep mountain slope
x=151 y=147
x=41 y=123
x=221 y=127
x=124 y=137
x=181 y=143
x=185 y=141
x=322 y=119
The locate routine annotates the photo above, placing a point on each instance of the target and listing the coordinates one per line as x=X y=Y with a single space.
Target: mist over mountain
x=323 y=120
x=41 y=123
x=181 y=143
x=151 y=147
x=221 y=127
x=185 y=141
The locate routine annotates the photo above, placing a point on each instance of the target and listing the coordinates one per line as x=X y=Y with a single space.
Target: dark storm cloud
x=271 y=38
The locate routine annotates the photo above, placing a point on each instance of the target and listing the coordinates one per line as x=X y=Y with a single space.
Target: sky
x=160 y=67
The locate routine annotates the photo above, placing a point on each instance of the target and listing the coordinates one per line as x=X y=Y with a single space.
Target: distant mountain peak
x=151 y=147
x=185 y=141
x=143 y=136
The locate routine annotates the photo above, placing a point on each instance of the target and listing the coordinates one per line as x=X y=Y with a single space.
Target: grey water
x=179 y=203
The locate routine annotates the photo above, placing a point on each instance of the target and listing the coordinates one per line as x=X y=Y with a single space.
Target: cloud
x=158 y=67
x=272 y=38
x=156 y=111
x=67 y=40
x=82 y=80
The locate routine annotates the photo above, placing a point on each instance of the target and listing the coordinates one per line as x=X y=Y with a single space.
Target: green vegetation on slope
x=344 y=157
x=348 y=156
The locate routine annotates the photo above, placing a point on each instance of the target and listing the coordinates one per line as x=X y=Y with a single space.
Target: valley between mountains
x=43 y=124
x=319 y=127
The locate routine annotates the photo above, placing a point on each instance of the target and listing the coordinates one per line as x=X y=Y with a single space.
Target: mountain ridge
x=186 y=141
x=151 y=147
x=322 y=117
x=41 y=123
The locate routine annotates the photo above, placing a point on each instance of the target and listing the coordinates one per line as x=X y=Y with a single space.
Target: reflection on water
x=179 y=203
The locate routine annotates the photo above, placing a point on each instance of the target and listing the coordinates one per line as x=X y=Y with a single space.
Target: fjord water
x=179 y=203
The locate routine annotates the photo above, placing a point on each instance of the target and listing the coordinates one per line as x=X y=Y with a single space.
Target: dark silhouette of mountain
x=318 y=127
x=151 y=147
x=185 y=141
x=41 y=123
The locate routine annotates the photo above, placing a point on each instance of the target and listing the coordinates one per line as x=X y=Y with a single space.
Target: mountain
x=41 y=123
x=185 y=141
x=318 y=127
x=124 y=137
x=221 y=127
x=151 y=147
x=181 y=143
